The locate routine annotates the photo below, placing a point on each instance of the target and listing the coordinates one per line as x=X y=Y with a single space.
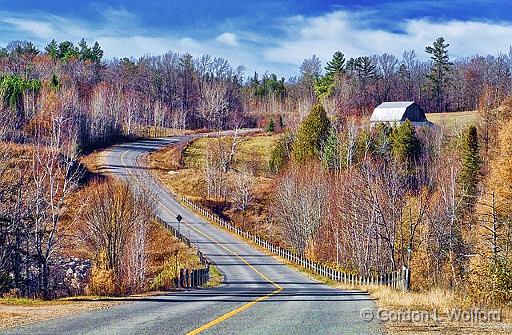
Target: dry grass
x=438 y=302
x=187 y=179
x=251 y=150
x=94 y=162
x=454 y=121
x=216 y=277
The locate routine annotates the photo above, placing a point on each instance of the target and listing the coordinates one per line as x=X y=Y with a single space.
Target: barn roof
x=390 y=111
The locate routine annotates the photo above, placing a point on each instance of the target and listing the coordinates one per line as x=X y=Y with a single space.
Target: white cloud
x=37 y=28
x=120 y=34
x=325 y=34
x=228 y=39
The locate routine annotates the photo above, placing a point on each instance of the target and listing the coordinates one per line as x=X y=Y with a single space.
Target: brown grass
x=187 y=178
x=454 y=121
x=94 y=162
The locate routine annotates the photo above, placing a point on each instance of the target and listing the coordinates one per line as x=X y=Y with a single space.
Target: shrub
x=165 y=279
x=101 y=282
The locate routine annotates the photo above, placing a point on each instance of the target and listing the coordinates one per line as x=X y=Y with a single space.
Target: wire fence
x=395 y=279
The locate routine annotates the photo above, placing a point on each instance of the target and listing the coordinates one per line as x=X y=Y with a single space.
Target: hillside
x=454 y=120
x=251 y=159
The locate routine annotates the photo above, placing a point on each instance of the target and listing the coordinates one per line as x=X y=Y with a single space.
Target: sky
x=265 y=35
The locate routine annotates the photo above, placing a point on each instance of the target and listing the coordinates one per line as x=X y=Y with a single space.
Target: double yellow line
x=237 y=310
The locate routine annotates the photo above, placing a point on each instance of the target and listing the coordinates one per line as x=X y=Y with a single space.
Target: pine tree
x=311 y=135
x=471 y=163
x=281 y=153
x=324 y=85
x=271 y=126
x=336 y=66
x=441 y=68
x=84 y=51
x=52 y=49
x=405 y=145
x=96 y=52
x=331 y=150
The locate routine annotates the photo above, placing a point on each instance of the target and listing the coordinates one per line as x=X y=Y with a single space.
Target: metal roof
x=390 y=111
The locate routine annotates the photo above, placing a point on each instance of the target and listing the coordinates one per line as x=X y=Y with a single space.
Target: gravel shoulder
x=17 y=315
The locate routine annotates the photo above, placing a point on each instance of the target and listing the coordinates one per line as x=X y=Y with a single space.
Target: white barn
x=396 y=113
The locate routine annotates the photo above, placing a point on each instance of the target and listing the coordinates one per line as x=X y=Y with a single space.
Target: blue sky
x=263 y=35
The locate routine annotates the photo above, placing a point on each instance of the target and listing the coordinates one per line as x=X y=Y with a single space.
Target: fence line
x=189 y=278
x=396 y=279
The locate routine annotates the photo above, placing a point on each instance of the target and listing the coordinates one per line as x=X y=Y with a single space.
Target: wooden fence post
x=182 y=278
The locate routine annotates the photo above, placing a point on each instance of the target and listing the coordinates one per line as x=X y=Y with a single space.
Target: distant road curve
x=260 y=295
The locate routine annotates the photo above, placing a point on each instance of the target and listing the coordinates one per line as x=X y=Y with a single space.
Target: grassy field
x=188 y=180
x=454 y=120
x=250 y=150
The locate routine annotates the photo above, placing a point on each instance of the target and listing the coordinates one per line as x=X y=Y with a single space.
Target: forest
x=364 y=199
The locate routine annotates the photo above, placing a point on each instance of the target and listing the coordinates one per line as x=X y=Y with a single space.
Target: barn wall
x=415 y=114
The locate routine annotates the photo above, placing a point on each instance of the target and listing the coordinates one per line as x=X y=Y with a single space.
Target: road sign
x=179 y=218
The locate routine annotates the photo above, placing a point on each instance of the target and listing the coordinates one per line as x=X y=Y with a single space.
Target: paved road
x=259 y=295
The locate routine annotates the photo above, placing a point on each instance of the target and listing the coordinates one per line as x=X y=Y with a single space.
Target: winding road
x=259 y=295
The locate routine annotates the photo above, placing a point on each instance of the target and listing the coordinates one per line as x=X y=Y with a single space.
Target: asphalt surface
x=259 y=295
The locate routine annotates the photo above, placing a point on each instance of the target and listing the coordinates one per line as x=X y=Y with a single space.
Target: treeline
x=372 y=200
x=102 y=101
x=356 y=85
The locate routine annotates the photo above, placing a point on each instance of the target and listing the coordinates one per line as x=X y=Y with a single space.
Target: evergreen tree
x=441 y=67
x=55 y=82
x=281 y=153
x=324 y=85
x=471 y=163
x=311 y=135
x=331 y=150
x=363 y=67
x=84 y=51
x=271 y=126
x=405 y=145
x=96 y=52
x=52 y=49
x=335 y=66
x=67 y=51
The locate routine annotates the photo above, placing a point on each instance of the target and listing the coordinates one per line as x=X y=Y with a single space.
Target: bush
x=501 y=277
x=101 y=282
x=166 y=278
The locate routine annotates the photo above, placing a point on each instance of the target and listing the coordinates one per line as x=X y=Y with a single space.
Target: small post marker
x=179 y=218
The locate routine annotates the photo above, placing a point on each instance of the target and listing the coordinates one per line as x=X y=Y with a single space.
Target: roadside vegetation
x=230 y=175
x=371 y=200
x=318 y=180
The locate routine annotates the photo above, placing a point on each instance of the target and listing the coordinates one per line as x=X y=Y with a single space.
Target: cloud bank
x=298 y=37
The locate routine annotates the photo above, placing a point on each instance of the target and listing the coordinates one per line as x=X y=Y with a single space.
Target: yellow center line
x=232 y=312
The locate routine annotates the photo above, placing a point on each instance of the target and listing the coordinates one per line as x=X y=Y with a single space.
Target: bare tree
x=301 y=205
x=116 y=219
x=54 y=176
